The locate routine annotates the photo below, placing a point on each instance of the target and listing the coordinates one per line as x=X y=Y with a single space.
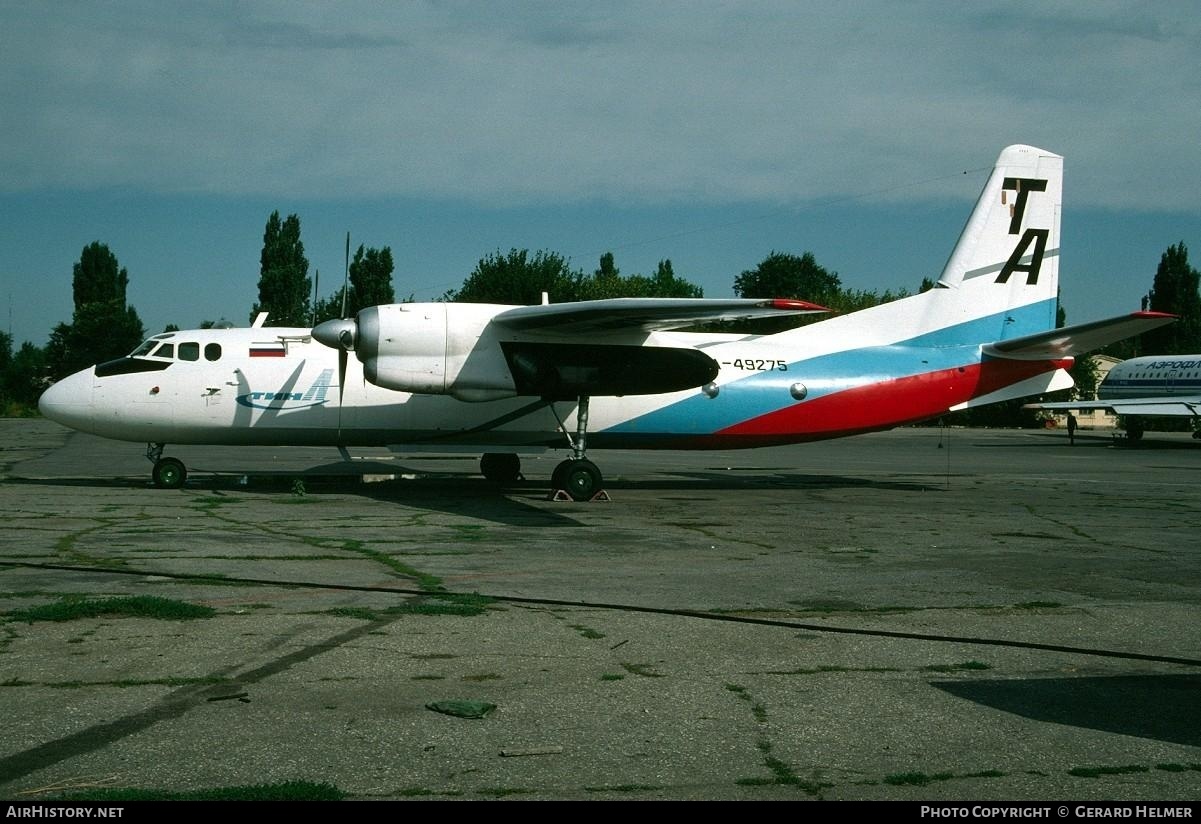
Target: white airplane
x=618 y=372
x=1151 y=386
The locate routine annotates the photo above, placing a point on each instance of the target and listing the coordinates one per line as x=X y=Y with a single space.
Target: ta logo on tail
x=1023 y=186
x=314 y=396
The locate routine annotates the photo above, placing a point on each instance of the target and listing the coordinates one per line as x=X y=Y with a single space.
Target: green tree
x=103 y=325
x=607 y=282
x=519 y=279
x=1175 y=290
x=370 y=280
x=516 y=278
x=97 y=277
x=781 y=275
x=284 y=282
x=370 y=284
x=23 y=380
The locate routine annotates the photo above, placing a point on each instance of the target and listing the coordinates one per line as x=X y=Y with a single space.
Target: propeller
x=341 y=334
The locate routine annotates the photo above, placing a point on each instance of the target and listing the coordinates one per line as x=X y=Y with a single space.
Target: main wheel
x=581 y=479
x=500 y=467
x=169 y=473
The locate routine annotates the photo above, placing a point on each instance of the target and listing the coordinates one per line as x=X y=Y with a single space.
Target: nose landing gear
x=168 y=473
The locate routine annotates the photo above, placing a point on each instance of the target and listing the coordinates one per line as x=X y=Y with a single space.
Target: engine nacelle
x=433 y=349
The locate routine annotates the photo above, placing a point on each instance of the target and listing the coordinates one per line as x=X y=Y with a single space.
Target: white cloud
x=646 y=103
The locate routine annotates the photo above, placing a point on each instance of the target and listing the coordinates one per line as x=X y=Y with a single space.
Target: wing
x=647 y=314
x=1167 y=406
x=1078 y=339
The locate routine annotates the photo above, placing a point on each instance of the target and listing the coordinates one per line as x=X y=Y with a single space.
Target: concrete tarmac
x=1026 y=616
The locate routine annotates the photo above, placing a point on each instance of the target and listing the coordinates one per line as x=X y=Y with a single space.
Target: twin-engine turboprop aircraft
x=618 y=373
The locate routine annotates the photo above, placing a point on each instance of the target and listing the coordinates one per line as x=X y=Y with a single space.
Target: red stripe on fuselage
x=886 y=404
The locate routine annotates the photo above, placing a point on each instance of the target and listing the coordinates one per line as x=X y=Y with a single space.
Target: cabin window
x=212 y=351
x=189 y=351
x=167 y=350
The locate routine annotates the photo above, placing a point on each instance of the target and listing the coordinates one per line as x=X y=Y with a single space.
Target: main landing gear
x=168 y=473
x=501 y=467
x=577 y=477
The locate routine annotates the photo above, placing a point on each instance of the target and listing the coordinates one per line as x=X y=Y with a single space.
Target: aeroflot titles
x=1190 y=364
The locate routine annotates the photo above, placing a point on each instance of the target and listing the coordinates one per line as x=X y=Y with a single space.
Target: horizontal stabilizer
x=1179 y=406
x=648 y=314
x=1077 y=340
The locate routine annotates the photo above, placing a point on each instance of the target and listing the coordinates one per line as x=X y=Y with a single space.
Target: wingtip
x=794 y=305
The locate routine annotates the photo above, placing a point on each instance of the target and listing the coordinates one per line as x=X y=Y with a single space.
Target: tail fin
x=1007 y=257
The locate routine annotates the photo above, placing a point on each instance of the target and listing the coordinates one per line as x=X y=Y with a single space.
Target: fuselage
x=277 y=386
x=1153 y=376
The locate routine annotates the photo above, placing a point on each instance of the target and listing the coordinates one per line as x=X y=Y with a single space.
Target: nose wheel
x=168 y=473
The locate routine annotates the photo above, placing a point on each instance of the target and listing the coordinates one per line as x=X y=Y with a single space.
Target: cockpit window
x=189 y=351
x=212 y=351
x=167 y=350
x=144 y=349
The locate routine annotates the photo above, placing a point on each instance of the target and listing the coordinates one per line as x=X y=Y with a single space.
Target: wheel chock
x=564 y=495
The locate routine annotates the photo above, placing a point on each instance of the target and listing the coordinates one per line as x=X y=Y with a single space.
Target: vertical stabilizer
x=1008 y=254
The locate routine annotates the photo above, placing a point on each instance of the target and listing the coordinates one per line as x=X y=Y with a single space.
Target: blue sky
x=707 y=133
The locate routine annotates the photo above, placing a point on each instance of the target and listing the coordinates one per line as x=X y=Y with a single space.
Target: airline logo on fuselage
x=283 y=399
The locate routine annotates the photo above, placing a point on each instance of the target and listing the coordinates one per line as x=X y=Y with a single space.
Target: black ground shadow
x=1160 y=707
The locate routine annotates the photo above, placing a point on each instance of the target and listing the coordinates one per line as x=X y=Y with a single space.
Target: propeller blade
x=342 y=356
x=346 y=276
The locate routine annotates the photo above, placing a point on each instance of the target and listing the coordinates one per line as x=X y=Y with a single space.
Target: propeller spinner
x=340 y=334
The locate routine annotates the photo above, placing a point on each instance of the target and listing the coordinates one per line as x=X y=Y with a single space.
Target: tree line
x=105 y=326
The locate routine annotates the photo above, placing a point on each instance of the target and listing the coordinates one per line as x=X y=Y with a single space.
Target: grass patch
x=645 y=670
x=915 y=779
x=429 y=677
x=1038 y=605
x=482 y=676
x=501 y=792
x=966 y=665
x=1097 y=772
x=136 y=682
x=612 y=676
x=782 y=774
x=134 y=606
x=286 y=791
x=439 y=604
x=425 y=581
x=587 y=632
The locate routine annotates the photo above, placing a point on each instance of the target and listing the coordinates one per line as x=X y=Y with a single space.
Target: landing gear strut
x=168 y=473
x=577 y=476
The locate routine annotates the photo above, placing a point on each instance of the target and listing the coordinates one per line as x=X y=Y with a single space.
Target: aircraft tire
x=169 y=473
x=580 y=479
x=500 y=467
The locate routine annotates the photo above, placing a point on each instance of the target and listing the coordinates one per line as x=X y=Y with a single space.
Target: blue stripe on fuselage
x=764 y=392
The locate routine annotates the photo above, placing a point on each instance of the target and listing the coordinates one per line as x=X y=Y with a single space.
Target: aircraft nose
x=69 y=401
